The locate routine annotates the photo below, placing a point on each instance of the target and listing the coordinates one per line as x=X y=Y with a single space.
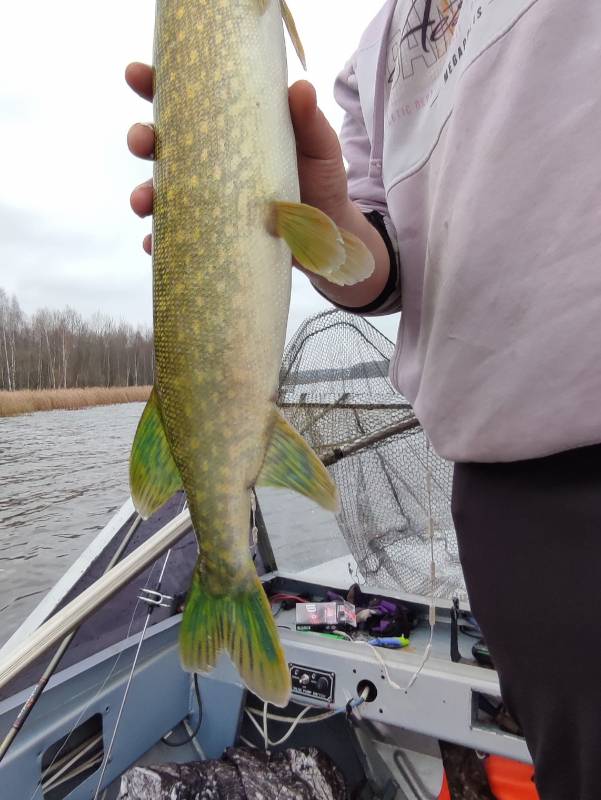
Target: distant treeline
x=61 y=349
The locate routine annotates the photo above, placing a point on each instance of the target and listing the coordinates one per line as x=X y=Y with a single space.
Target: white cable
x=263 y=732
x=107 y=678
x=69 y=761
x=126 y=692
x=281 y=718
x=254 y=722
x=58 y=765
x=265 y=736
x=92 y=762
x=382 y=663
x=98 y=692
x=194 y=740
x=251 y=713
x=247 y=742
x=292 y=728
x=432 y=606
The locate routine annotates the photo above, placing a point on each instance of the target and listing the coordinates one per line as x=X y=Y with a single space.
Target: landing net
x=334 y=389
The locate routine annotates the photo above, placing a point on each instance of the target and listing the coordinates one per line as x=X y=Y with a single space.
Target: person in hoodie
x=474 y=175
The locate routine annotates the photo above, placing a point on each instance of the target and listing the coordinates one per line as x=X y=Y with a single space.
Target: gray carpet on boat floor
x=242 y=774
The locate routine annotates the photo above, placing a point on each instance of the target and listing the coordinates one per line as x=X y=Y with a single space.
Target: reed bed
x=25 y=402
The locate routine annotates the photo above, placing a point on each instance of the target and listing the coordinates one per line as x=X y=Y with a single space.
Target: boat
x=407 y=723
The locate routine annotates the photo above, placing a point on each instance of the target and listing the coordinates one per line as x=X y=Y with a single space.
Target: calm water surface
x=62 y=475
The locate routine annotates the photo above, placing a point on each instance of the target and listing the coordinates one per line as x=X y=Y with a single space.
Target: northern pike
x=227 y=217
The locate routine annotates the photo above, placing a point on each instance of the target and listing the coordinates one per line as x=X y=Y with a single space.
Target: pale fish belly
x=225 y=149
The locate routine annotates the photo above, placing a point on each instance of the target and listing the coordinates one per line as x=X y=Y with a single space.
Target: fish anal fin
x=291 y=464
x=153 y=475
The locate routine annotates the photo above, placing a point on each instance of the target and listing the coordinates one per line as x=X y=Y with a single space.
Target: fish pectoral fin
x=241 y=623
x=263 y=5
x=358 y=265
x=291 y=464
x=314 y=239
x=293 y=33
x=153 y=475
x=320 y=246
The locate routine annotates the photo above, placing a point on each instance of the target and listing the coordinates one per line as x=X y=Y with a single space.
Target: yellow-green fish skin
x=221 y=282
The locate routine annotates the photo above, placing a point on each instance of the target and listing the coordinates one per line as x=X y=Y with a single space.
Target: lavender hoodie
x=475 y=127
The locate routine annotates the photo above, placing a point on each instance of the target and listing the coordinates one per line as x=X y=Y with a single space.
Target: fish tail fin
x=242 y=624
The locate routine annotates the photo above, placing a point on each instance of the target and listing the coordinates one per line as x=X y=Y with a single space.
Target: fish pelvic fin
x=242 y=624
x=291 y=464
x=293 y=33
x=320 y=246
x=153 y=475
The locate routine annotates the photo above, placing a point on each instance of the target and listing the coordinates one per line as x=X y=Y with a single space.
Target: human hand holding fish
x=227 y=221
x=321 y=175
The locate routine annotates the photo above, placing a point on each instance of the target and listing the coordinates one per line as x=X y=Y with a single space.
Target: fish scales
x=225 y=149
x=226 y=219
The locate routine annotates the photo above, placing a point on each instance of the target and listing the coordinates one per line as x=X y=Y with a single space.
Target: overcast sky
x=67 y=235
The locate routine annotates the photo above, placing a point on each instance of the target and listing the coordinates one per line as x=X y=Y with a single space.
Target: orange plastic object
x=509 y=780
x=444 y=792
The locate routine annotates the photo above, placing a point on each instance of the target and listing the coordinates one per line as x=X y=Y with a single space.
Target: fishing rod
x=42 y=681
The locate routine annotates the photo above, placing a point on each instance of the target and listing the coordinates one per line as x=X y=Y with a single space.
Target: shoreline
x=27 y=401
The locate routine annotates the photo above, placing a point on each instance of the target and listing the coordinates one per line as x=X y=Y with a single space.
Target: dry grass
x=25 y=402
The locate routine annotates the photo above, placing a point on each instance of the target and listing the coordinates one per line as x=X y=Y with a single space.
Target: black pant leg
x=529 y=537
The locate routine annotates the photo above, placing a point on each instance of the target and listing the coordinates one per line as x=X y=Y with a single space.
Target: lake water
x=62 y=476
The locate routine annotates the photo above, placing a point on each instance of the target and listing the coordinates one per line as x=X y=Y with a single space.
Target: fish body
x=226 y=216
x=225 y=149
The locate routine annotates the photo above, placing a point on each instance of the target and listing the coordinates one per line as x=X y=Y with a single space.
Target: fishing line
x=100 y=689
x=128 y=684
x=432 y=607
x=115 y=663
x=432 y=604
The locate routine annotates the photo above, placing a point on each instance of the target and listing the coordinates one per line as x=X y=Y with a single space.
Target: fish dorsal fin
x=293 y=33
x=153 y=475
x=291 y=464
x=320 y=246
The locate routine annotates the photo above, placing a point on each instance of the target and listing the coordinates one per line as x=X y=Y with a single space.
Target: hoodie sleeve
x=366 y=190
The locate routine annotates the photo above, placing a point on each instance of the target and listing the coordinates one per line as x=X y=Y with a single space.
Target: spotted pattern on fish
x=225 y=150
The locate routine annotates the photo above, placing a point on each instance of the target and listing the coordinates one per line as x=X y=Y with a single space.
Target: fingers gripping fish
x=227 y=217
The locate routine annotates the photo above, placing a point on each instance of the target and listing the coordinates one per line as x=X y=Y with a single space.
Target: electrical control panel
x=311 y=682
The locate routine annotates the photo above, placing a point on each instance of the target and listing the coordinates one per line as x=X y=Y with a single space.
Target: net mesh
x=334 y=389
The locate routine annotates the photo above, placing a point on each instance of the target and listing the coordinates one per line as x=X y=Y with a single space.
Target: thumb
x=315 y=137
